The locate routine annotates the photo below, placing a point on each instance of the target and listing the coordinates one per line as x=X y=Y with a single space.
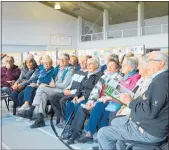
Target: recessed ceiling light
x=57 y=6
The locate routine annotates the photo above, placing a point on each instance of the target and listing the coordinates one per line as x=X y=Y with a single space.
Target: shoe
x=74 y=137
x=24 y=107
x=38 y=124
x=25 y=114
x=85 y=139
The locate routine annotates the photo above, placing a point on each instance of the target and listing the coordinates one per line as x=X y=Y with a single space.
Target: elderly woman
x=74 y=62
x=83 y=91
x=96 y=94
x=29 y=74
x=44 y=78
x=98 y=116
x=141 y=85
x=9 y=74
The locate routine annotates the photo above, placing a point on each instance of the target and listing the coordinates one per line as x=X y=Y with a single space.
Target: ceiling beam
x=95 y=6
x=62 y=10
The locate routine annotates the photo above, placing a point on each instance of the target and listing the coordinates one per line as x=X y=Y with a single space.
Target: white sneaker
x=24 y=107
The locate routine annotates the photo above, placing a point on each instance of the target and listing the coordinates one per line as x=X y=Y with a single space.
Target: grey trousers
x=6 y=90
x=42 y=95
x=120 y=129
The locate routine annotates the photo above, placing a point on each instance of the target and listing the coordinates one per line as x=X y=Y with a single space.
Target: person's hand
x=74 y=99
x=125 y=98
x=104 y=99
x=67 y=92
x=33 y=84
x=79 y=99
x=90 y=104
x=43 y=85
x=11 y=82
x=19 y=87
x=119 y=112
x=14 y=87
x=52 y=84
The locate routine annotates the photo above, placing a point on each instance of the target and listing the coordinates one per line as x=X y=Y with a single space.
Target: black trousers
x=79 y=120
x=58 y=103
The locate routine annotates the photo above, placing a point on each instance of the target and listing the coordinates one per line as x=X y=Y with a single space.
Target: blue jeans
x=122 y=129
x=17 y=97
x=71 y=106
x=6 y=90
x=29 y=93
x=98 y=117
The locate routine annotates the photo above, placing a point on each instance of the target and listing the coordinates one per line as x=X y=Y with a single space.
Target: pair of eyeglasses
x=153 y=60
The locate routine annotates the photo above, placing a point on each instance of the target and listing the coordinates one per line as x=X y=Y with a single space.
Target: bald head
x=157 y=61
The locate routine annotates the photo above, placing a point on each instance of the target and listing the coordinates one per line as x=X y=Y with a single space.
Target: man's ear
x=162 y=64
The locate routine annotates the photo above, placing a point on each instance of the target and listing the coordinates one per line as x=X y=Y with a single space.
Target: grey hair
x=163 y=57
x=132 y=62
x=66 y=56
x=95 y=60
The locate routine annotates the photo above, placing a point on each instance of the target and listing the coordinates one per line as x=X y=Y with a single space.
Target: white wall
x=151 y=41
x=29 y=25
x=148 y=22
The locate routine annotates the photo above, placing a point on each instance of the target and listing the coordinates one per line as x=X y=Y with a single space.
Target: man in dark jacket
x=9 y=74
x=83 y=92
x=59 y=100
x=148 y=121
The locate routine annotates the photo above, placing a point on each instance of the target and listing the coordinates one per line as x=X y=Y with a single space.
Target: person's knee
x=100 y=134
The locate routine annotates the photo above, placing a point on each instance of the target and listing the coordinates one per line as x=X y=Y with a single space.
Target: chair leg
x=6 y=103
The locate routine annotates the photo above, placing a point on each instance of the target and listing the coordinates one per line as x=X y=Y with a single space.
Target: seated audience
x=59 y=101
x=94 y=99
x=29 y=74
x=74 y=62
x=141 y=85
x=111 y=56
x=86 y=86
x=9 y=74
x=47 y=92
x=129 y=69
x=44 y=78
x=148 y=120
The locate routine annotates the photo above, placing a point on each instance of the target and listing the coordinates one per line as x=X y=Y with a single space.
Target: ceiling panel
x=119 y=12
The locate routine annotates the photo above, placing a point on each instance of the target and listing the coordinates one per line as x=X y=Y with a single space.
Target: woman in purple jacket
x=9 y=74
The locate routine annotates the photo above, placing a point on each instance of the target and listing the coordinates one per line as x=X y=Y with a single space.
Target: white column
x=105 y=23
x=140 y=22
x=79 y=29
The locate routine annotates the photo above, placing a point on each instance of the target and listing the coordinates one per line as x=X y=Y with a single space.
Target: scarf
x=129 y=74
x=91 y=73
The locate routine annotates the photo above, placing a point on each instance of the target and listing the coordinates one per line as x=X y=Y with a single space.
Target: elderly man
x=9 y=74
x=148 y=121
x=46 y=92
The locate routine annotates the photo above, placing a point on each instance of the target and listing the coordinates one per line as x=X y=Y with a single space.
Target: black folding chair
x=6 y=98
x=68 y=123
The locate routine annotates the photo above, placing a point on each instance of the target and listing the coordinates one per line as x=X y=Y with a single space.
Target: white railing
x=133 y=32
x=92 y=37
x=155 y=29
x=122 y=33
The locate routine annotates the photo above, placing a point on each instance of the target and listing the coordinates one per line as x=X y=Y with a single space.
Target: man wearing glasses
x=148 y=121
x=9 y=74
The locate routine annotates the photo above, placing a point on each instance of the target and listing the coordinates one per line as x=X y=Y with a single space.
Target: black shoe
x=74 y=137
x=38 y=124
x=85 y=139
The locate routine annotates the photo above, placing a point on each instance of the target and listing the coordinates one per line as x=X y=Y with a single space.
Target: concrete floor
x=16 y=134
